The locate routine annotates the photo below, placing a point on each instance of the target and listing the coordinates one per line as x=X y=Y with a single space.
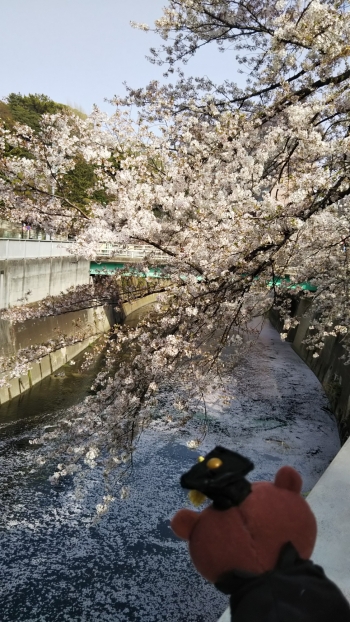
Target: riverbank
x=330 y=366
x=92 y=322
x=80 y=328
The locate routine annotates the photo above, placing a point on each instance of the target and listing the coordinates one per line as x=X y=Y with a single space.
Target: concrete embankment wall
x=85 y=325
x=329 y=367
x=330 y=502
x=130 y=307
x=47 y=276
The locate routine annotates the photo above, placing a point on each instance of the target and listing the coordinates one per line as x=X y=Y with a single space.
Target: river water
x=57 y=564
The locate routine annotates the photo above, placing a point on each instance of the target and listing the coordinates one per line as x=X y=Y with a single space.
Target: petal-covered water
x=58 y=565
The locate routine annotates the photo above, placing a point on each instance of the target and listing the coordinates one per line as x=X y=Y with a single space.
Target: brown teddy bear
x=254 y=543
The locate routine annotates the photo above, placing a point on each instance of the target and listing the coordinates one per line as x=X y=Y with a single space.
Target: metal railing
x=129 y=251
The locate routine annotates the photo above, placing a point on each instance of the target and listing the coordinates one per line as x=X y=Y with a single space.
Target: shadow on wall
x=328 y=367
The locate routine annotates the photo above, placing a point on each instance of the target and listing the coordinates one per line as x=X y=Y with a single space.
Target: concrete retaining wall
x=129 y=307
x=14 y=337
x=328 y=367
x=330 y=502
x=48 y=365
x=43 y=277
x=87 y=325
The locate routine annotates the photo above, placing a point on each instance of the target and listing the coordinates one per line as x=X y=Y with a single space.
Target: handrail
x=133 y=251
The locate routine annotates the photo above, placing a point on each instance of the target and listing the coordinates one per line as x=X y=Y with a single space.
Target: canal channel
x=57 y=563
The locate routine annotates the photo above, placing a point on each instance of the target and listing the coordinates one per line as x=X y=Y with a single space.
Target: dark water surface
x=56 y=564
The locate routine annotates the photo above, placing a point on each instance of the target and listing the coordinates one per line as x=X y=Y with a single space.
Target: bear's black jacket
x=296 y=590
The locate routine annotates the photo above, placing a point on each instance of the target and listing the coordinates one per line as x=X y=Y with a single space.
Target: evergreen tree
x=28 y=109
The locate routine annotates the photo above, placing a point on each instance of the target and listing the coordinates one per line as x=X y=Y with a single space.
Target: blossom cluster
x=246 y=193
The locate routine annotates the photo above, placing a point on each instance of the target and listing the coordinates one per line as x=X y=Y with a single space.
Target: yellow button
x=214 y=463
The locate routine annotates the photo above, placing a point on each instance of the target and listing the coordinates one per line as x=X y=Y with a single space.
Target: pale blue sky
x=81 y=51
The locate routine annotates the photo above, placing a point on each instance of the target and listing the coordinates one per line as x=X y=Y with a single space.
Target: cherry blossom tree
x=237 y=188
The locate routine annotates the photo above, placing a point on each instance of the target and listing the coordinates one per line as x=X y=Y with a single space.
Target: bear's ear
x=288 y=478
x=183 y=523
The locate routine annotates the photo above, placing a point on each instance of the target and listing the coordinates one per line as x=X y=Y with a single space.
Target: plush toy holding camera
x=254 y=543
